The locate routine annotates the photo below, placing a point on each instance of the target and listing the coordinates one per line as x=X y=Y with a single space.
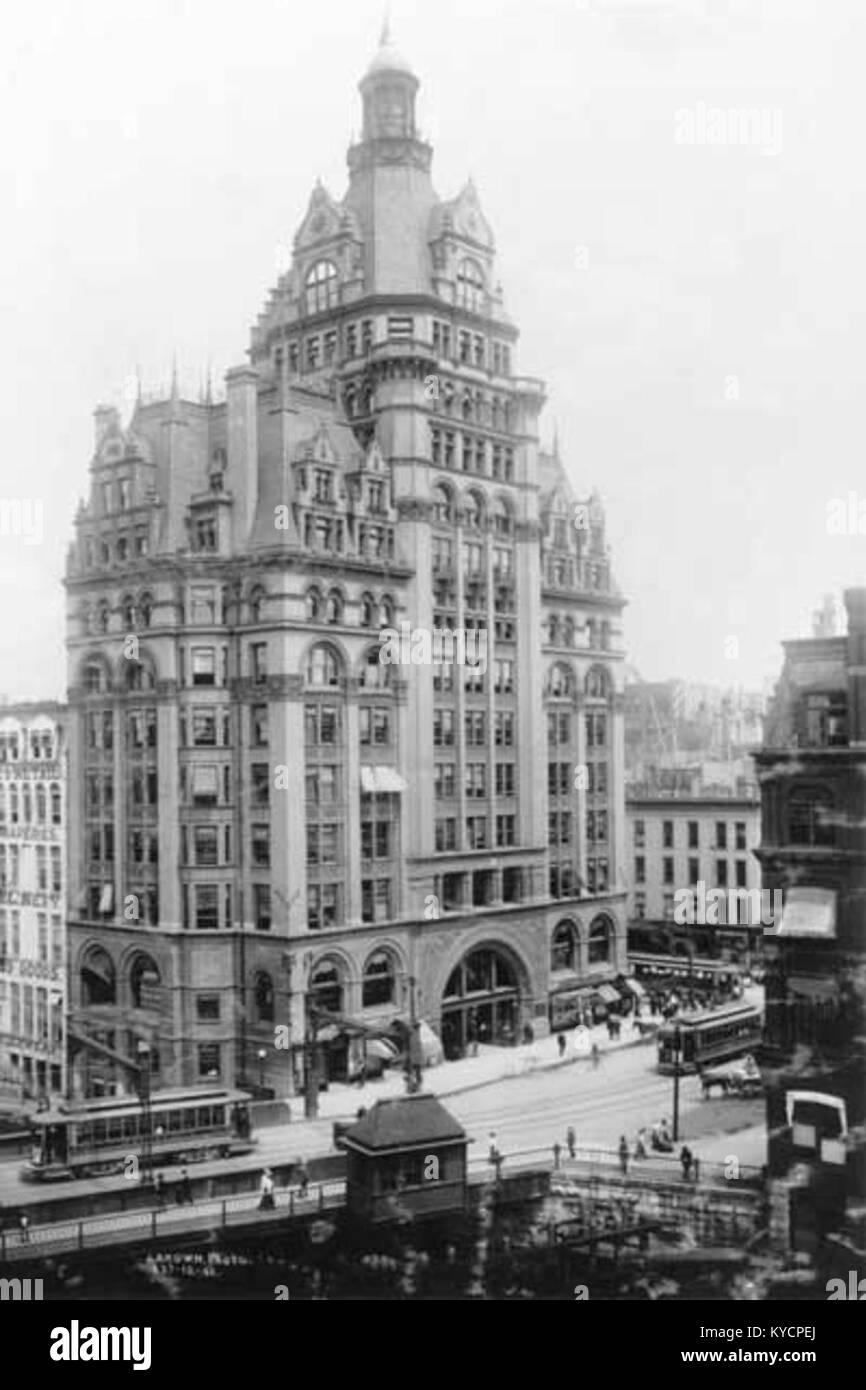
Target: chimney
x=855 y=603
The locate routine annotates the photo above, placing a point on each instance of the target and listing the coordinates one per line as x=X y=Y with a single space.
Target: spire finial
x=385 y=36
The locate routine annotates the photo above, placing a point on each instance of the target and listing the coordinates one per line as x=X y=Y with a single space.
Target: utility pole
x=412 y=1081
x=144 y=1054
x=677 y=1042
x=311 y=1071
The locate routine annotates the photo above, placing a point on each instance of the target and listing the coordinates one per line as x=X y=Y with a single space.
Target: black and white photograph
x=433 y=665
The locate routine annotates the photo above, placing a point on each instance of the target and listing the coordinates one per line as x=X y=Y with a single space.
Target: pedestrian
x=640 y=1145
x=303 y=1177
x=158 y=1188
x=571 y=1141
x=560 y=1042
x=623 y=1154
x=24 y=1224
x=557 y=1150
x=595 y=1054
x=185 y=1193
x=266 y=1201
x=686 y=1161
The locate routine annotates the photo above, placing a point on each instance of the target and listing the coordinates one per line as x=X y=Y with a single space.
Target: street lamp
x=676 y=1042
x=262 y=1056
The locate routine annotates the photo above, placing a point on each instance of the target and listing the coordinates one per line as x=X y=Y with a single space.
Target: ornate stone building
x=32 y=901
x=263 y=809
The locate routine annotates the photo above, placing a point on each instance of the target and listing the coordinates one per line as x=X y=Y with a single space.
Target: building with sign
x=812 y=770
x=32 y=902
x=266 y=812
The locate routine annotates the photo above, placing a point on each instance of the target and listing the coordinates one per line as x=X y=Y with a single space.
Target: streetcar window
x=115 y=1130
x=84 y=1136
x=219 y=1116
x=204 y=1121
x=688 y=1047
x=130 y=1127
x=189 y=1118
x=174 y=1121
x=99 y=1132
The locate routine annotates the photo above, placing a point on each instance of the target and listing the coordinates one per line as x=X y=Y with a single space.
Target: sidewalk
x=492 y=1064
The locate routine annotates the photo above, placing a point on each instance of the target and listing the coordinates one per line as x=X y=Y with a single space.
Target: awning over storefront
x=607 y=994
x=809 y=912
x=381 y=779
x=635 y=987
x=813 y=987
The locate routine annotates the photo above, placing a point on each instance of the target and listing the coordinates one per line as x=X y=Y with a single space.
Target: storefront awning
x=607 y=994
x=813 y=987
x=808 y=912
x=636 y=988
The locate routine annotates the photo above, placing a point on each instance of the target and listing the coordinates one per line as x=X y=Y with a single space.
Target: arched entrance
x=480 y=1002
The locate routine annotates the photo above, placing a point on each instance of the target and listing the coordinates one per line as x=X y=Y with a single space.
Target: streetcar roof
x=721 y=967
x=108 y=1107
x=725 y=1013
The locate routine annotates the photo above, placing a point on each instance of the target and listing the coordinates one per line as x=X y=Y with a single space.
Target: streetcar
x=98 y=1137
x=708 y=1037
x=694 y=975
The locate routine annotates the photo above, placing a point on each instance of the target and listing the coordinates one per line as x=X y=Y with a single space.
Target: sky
x=678 y=195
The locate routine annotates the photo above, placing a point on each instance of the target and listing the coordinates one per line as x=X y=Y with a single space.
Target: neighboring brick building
x=812 y=770
x=262 y=809
x=32 y=901
x=678 y=842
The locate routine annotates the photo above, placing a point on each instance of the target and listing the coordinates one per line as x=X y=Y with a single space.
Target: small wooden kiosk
x=405 y=1159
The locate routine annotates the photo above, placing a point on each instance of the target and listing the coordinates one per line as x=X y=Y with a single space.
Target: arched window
x=322 y=287
x=375 y=674
x=145 y=608
x=55 y=803
x=41 y=803
x=368 y=611
x=597 y=683
x=473 y=512
x=503 y=522
x=379 y=980
x=314 y=604
x=470 y=286
x=263 y=997
x=27 y=804
x=139 y=675
x=553 y=629
x=144 y=971
x=257 y=598
x=568 y=632
x=326 y=987
x=323 y=667
x=386 y=612
x=600 y=938
x=94 y=679
x=559 y=684
x=13 y=803
x=562 y=947
x=98 y=978
x=104 y=617
x=443 y=505
x=333 y=607
x=128 y=613
x=466 y=405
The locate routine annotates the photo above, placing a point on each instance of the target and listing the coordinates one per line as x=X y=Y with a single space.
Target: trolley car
x=713 y=1035
x=99 y=1137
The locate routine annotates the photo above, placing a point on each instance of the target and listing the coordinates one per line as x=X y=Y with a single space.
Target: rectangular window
x=204 y=728
x=209 y=1061
x=640 y=869
x=476 y=832
x=505 y=779
x=668 y=867
x=504 y=729
x=721 y=835
x=693 y=834
x=262 y=906
x=206 y=845
x=260 y=846
x=443 y=728
x=259 y=726
x=721 y=873
x=640 y=834
x=205 y=785
x=206 y=906
x=446 y=834
x=202 y=605
x=443 y=781
x=694 y=872
x=740 y=832
x=203 y=666
x=207 y=1008
x=259 y=784
x=259 y=661
x=505 y=831
x=740 y=867
x=400 y=326
x=668 y=834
